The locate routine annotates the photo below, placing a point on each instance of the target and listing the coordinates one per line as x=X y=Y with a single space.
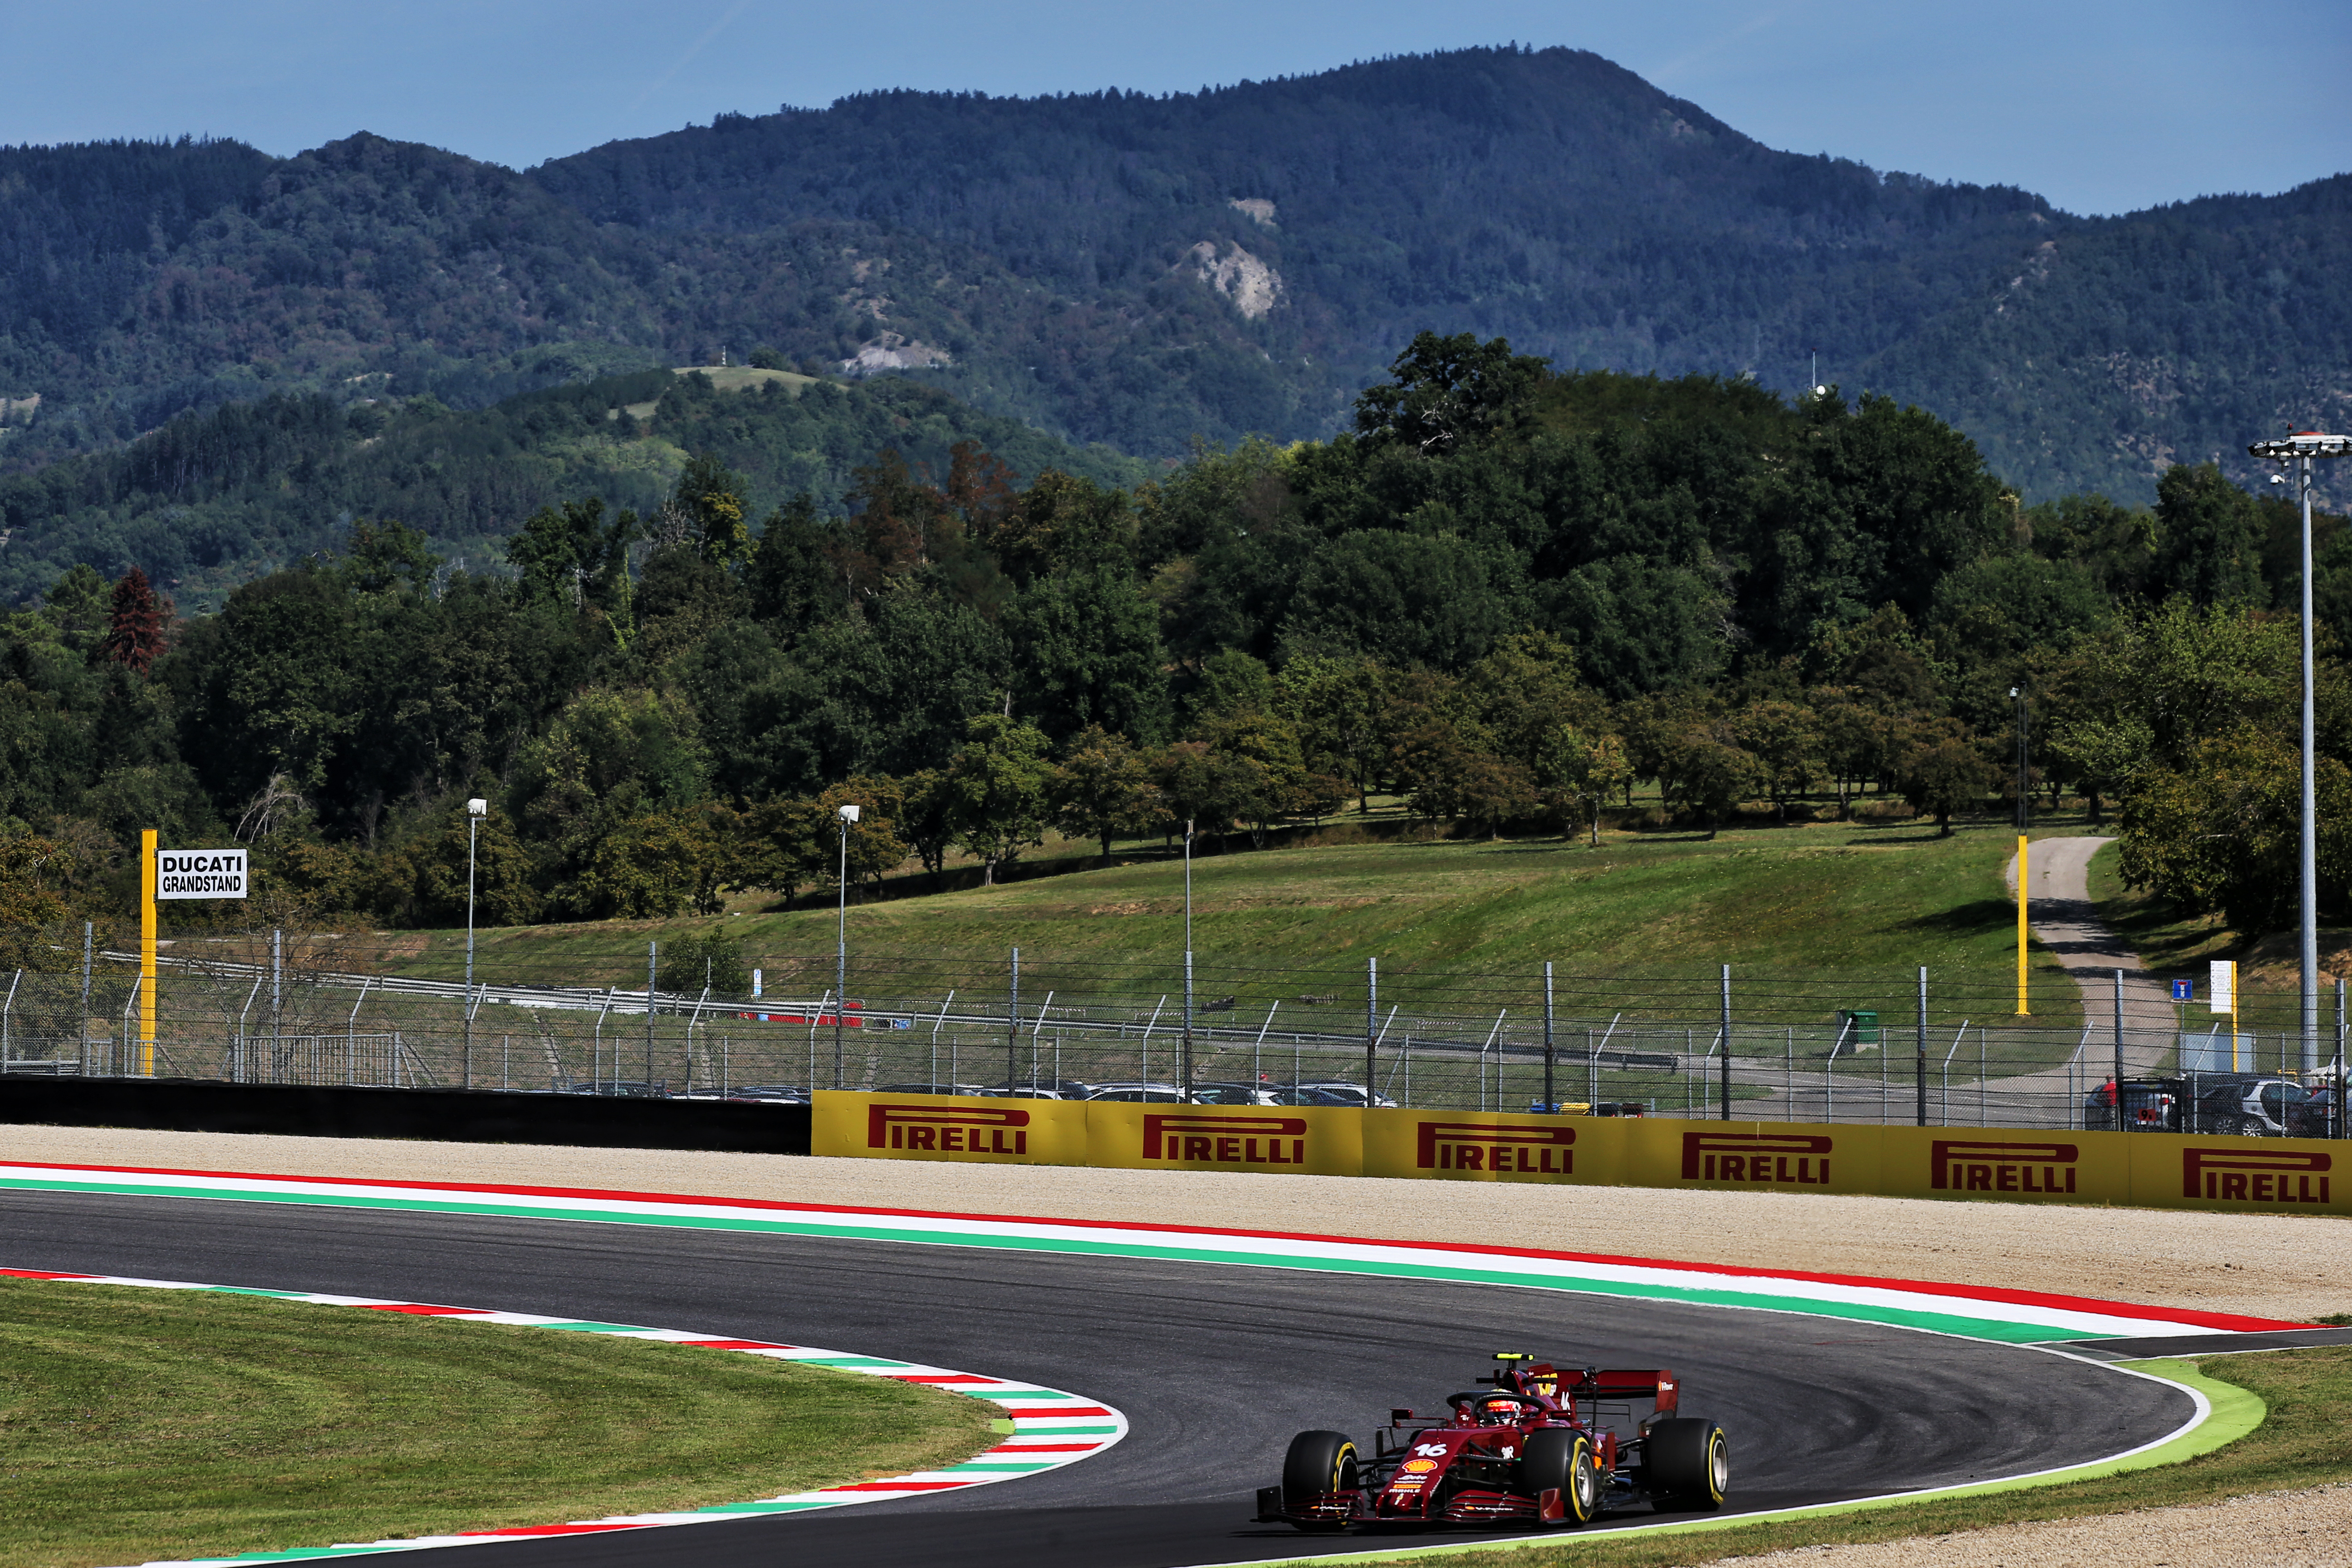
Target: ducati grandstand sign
x=200 y=874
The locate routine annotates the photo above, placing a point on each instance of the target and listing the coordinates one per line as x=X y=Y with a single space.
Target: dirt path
x=2068 y=924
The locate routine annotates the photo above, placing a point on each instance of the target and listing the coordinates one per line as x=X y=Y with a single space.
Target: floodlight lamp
x=849 y=813
x=1821 y=392
x=2012 y=691
x=478 y=808
x=2303 y=444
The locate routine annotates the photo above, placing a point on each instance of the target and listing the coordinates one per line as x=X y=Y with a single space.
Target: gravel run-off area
x=2291 y=1266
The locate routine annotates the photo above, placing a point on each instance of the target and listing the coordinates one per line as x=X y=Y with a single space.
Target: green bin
x=1859 y=1025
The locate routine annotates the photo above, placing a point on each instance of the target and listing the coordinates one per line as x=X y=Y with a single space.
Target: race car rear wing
x=1594 y=1383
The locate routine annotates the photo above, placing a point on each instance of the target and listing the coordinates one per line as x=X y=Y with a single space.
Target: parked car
x=1167 y=1092
x=1330 y=1091
x=2252 y=1106
x=624 y=1089
x=2149 y=1105
x=978 y=1089
x=769 y=1094
x=1216 y=1092
x=1045 y=1089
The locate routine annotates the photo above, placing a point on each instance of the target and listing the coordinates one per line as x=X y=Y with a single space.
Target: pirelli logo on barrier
x=1526 y=1149
x=947 y=1131
x=1210 y=1138
x=2237 y=1173
x=2040 y=1170
x=1797 y=1159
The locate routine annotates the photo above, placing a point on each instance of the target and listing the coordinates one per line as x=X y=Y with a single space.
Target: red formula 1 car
x=1537 y=1446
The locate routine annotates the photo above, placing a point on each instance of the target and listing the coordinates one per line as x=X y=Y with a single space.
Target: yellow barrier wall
x=2000 y=1165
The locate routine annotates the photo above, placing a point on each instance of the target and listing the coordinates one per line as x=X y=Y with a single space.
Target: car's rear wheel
x=2250 y=1127
x=1560 y=1460
x=1690 y=1464
x=1318 y=1464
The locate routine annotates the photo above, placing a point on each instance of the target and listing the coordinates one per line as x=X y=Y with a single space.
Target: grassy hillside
x=1791 y=910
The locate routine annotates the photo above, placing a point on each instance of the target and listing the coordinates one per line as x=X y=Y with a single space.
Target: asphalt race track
x=1214 y=1365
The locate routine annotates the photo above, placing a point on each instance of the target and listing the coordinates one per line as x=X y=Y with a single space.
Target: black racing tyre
x=1558 y=1459
x=1690 y=1464
x=1318 y=1463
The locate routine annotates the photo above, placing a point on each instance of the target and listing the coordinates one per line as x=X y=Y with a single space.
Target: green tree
x=1086 y=647
x=997 y=791
x=1104 y=788
x=1944 y=771
x=1578 y=770
x=2209 y=539
x=1785 y=738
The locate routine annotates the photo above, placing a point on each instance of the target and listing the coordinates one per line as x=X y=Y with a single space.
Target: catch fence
x=1815 y=1048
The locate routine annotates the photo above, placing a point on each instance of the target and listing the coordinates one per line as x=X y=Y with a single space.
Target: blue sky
x=2100 y=106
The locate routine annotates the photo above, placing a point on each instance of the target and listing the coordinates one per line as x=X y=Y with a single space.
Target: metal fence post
x=84 y=1030
x=1726 y=1114
x=1012 y=1025
x=277 y=1003
x=653 y=977
x=1551 y=1100
x=2120 y=1125
x=1371 y=1025
x=1920 y=1067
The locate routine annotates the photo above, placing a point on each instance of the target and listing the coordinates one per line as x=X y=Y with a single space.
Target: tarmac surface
x=1215 y=1367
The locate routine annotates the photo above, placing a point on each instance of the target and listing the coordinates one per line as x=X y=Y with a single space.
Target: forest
x=1510 y=595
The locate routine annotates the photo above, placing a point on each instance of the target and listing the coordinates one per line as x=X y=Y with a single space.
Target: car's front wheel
x=1318 y=1464
x=1560 y=1460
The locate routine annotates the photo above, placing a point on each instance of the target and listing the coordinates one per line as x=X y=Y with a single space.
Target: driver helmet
x=1500 y=1407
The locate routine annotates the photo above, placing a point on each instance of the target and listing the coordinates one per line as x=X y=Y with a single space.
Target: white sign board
x=200 y=874
x=2223 y=987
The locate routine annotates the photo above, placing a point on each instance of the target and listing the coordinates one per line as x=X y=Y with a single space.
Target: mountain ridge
x=1040 y=258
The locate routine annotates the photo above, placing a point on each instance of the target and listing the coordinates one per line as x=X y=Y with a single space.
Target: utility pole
x=1184 y=1062
x=2297 y=454
x=1725 y=1113
x=1552 y=1101
x=848 y=814
x=1919 y=1071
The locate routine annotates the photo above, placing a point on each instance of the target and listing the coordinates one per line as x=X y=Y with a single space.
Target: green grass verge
x=1798 y=901
x=2304 y=1439
x=139 y=1424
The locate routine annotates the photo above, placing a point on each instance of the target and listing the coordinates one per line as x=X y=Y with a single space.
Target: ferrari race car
x=1536 y=1445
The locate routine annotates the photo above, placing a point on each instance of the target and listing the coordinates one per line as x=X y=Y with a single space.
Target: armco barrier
x=2149 y=1169
x=477 y=1116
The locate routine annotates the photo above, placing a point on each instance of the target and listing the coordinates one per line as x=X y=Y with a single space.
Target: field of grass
x=1801 y=904
x=2306 y=1440
x=139 y=1424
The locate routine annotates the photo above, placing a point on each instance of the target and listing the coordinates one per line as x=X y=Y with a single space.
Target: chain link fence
x=291 y=1008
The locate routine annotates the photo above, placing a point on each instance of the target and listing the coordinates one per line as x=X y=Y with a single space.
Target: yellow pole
x=2023 y=1010
x=147 y=952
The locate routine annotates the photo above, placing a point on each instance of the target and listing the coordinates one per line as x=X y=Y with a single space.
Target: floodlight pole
x=848 y=814
x=2296 y=455
x=1184 y=1062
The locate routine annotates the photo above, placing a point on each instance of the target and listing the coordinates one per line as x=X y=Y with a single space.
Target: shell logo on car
x=1419 y=1467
